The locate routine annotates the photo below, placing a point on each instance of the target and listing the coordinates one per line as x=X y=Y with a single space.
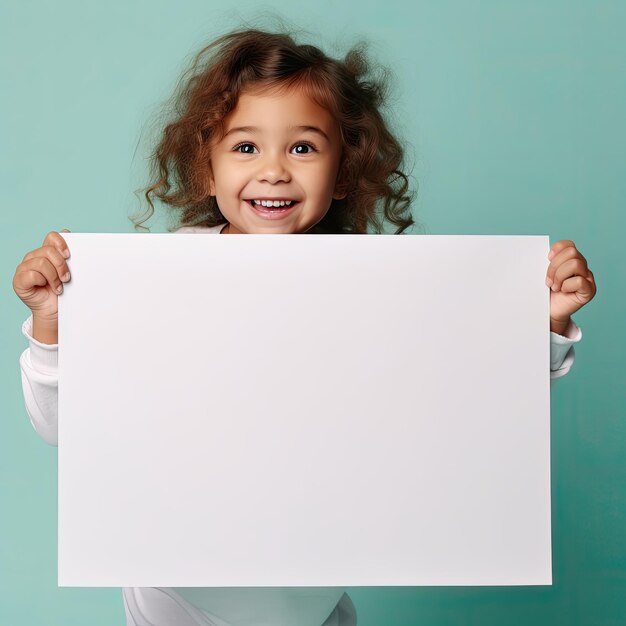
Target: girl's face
x=278 y=146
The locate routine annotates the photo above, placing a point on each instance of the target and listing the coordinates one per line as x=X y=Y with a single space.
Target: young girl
x=272 y=137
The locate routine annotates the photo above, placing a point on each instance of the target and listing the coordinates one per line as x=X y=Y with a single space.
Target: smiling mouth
x=261 y=207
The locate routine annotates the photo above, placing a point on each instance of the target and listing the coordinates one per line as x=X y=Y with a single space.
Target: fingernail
x=65 y=276
x=554 y=288
x=551 y=254
x=60 y=289
x=549 y=282
x=66 y=253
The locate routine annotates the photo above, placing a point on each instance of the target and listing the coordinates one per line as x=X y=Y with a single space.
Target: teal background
x=513 y=115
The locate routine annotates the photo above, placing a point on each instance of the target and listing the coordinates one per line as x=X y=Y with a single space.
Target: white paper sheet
x=271 y=410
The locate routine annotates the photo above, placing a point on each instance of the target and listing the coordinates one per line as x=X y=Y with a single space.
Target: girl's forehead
x=278 y=99
x=285 y=105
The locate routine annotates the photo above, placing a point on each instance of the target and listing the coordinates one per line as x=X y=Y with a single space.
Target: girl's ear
x=339 y=193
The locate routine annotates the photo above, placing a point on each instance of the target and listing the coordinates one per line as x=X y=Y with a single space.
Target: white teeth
x=274 y=203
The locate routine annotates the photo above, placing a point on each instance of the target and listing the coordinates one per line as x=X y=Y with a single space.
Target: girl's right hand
x=39 y=278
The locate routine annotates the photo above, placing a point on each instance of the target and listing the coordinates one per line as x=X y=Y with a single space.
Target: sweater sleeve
x=562 y=351
x=39 y=369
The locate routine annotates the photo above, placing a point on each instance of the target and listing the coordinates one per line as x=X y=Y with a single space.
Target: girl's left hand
x=572 y=283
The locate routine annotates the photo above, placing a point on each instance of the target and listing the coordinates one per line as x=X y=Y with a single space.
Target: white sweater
x=166 y=606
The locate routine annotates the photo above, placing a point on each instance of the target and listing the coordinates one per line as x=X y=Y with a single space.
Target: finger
x=567 y=253
x=55 y=239
x=55 y=258
x=592 y=279
x=573 y=267
x=558 y=246
x=25 y=280
x=39 y=265
x=578 y=284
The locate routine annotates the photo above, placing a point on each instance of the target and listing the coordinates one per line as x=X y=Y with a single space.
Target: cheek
x=321 y=181
x=229 y=183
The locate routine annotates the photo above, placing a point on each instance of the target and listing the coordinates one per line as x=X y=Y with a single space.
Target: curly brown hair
x=370 y=172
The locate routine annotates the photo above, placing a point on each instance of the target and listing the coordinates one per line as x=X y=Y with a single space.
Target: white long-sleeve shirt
x=166 y=606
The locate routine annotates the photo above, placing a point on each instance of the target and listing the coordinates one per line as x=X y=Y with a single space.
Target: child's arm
x=38 y=281
x=39 y=369
x=572 y=285
x=562 y=352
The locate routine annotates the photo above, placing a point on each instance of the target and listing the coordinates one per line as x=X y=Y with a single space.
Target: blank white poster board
x=307 y=410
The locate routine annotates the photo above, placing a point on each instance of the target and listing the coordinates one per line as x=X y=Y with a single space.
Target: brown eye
x=241 y=145
x=311 y=147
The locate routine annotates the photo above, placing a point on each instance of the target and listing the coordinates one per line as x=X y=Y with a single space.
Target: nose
x=272 y=168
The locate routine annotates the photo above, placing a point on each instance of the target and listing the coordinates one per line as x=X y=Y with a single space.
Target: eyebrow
x=253 y=129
